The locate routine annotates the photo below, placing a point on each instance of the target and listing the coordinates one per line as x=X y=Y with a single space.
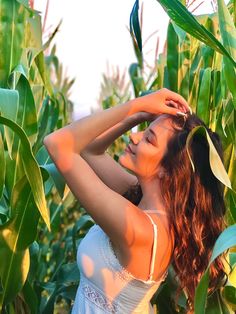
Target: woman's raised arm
x=108 y=170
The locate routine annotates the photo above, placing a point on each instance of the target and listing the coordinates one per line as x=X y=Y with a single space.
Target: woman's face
x=146 y=149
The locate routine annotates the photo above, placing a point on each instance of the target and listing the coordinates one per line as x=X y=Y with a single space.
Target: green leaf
x=15 y=237
x=3 y=166
x=229 y=293
x=184 y=19
x=12 y=28
x=216 y=164
x=30 y=297
x=228 y=34
x=58 y=179
x=215 y=305
x=9 y=104
x=137 y=79
x=204 y=98
x=173 y=57
x=40 y=62
x=135 y=32
x=13 y=274
x=226 y=240
x=32 y=170
x=27 y=116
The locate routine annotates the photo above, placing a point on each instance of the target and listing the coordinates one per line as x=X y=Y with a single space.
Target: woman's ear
x=161 y=173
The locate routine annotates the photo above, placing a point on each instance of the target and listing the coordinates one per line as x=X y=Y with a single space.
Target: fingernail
x=179 y=113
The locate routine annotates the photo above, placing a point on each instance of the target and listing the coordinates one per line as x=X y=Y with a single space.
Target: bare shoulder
x=137 y=258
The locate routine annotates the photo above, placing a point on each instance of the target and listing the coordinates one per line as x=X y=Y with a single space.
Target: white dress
x=105 y=286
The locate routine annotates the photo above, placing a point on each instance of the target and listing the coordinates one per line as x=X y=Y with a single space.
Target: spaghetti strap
x=153 y=248
x=154 y=211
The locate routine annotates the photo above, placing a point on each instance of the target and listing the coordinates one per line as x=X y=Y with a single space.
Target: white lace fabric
x=106 y=287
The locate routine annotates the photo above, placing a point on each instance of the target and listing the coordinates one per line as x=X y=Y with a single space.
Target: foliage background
x=41 y=224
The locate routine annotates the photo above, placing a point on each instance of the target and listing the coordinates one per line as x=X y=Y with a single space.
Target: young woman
x=156 y=213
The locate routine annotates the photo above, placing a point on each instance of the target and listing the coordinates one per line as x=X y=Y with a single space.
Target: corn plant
x=33 y=102
x=199 y=63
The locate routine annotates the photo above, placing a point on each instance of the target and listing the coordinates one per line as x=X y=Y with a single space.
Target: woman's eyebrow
x=153 y=133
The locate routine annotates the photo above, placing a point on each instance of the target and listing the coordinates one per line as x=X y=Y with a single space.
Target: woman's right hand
x=163 y=101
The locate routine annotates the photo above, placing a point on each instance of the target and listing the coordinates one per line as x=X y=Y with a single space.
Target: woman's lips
x=129 y=150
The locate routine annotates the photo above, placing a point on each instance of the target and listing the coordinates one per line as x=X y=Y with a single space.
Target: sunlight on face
x=147 y=148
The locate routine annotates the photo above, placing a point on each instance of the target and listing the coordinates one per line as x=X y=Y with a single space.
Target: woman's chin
x=123 y=161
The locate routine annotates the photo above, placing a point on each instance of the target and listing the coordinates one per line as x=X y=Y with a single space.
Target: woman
x=156 y=213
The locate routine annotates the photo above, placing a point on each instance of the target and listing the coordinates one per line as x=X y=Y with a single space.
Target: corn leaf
x=203 y=105
x=228 y=34
x=31 y=168
x=12 y=28
x=13 y=275
x=135 y=32
x=216 y=164
x=15 y=237
x=3 y=166
x=9 y=104
x=184 y=19
x=226 y=240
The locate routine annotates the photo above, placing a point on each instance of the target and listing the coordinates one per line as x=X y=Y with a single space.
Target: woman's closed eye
x=148 y=140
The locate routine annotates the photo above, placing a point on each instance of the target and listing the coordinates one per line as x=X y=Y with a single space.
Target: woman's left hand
x=163 y=101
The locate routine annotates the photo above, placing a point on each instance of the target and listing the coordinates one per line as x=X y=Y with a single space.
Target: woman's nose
x=135 y=137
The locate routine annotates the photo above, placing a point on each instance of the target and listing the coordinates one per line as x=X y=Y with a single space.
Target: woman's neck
x=152 y=198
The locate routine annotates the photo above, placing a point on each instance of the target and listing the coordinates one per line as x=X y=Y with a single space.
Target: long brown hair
x=196 y=206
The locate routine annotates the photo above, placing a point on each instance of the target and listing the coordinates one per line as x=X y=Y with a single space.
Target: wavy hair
x=196 y=206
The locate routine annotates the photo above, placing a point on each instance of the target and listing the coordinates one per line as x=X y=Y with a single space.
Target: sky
x=94 y=34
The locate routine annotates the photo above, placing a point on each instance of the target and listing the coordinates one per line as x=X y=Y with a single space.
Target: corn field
x=41 y=223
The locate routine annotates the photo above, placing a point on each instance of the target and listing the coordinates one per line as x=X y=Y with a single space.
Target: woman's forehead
x=163 y=121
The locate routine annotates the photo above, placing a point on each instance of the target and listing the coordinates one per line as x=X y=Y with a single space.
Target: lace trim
x=99 y=299
x=122 y=272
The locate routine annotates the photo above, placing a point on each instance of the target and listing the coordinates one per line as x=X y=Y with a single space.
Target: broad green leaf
x=229 y=293
x=13 y=280
x=43 y=122
x=27 y=116
x=215 y=305
x=232 y=277
x=9 y=104
x=27 y=120
x=184 y=19
x=12 y=28
x=135 y=32
x=3 y=166
x=16 y=236
x=39 y=61
x=68 y=273
x=228 y=34
x=204 y=98
x=30 y=297
x=226 y=240
x=227 y=114
x=31 y=168
x=173 y=57
x=58 y=179
x=137 y=79
x=227 y=28
x=216 y=164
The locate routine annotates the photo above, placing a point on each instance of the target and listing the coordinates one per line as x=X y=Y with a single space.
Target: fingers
x=174 y=111
x=178 y=106
x=177 y=101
